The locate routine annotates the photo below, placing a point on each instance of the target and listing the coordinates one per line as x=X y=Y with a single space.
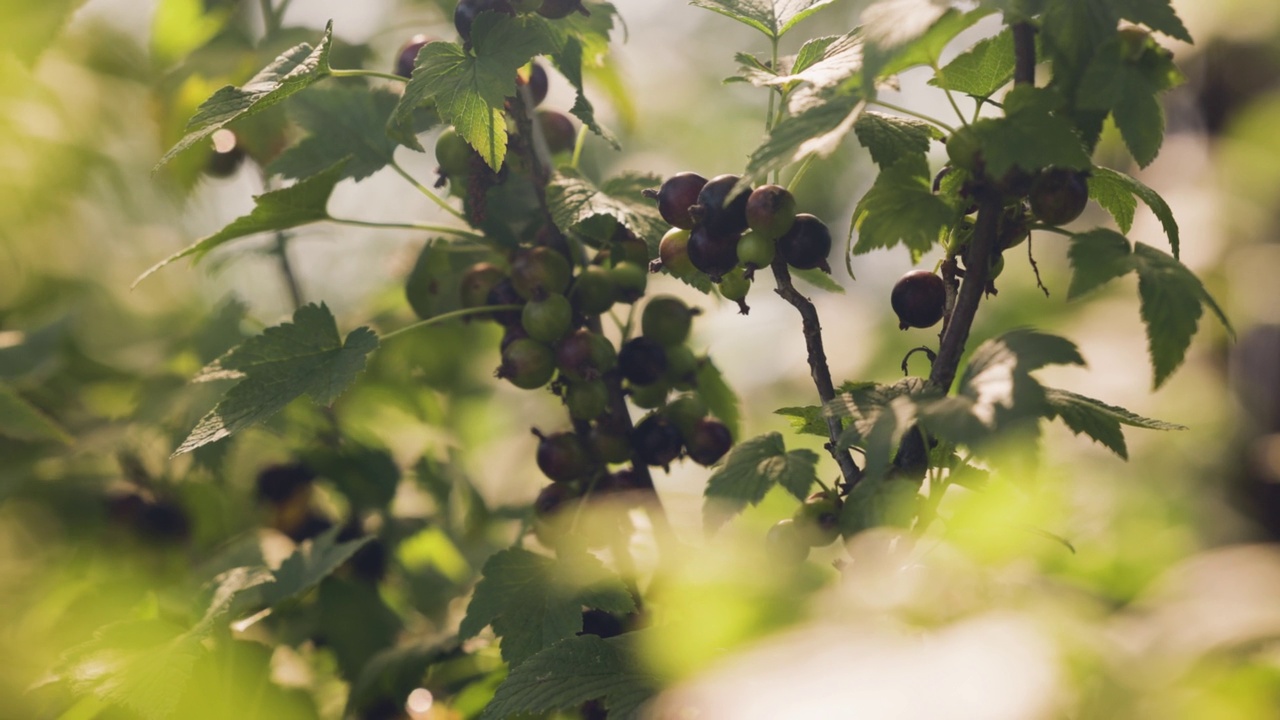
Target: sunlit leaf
x=771 y=17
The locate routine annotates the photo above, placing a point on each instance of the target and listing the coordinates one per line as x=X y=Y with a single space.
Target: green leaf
x=1129 y=90
x=818 y=71
x=771 y=17
x=750 y=470
x=304 y=357
x=312 y=562
x=29 y=28
x=1158 y=15
x=817 y=130
x=569 y=60
x=878 y=502
x=342 y=123
x=533 y=601
x=1099 y=420
x=302 y=203
x=21 y=420
x=818 y=279
x=902 y=34
x=982 y=69
x=434 y=285
x=1031 y=136
x=576 y=204
x=395 y=672
x=470 y=91
x=1171 y=304
x=808 y=420
x=1097 y=257
x=292 y=71
x=721 y=400
x=575 y=671
x=891 y=138
x=901 y=207
x=1112 y=185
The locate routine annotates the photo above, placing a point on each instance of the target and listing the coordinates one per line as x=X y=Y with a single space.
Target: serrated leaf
x=817 y=130
x=808 y=420
x=1031 y=136
x=1109 y=190
x=302 y=203
x=900 y=207
x=470 y=90
x=575 y=671
x=533 y=601
x=907 y=33
x=818 y=279
x=812 y=52
x=771 y=17
x=878 y=502
x=893 y=23
x=303 y=357
x=1113 y=184
x=816 y=71
x=292 y=71
x=574 y=203
x=750 y=470
x=1097 y=257
x=312 y=562
x=1171 y=298
x=569 y=61
x=395 y=672
x=890 y=138
x=1158 y=15
x=1099 y=420
x=720 y=399
x=20 y=420
x=982 y=69
x=1129 y=90
x=342 y=123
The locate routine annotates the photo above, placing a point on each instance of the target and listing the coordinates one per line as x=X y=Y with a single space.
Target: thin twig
x=817 y=366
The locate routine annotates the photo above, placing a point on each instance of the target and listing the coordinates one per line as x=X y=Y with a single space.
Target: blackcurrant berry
x=756 y=251
x=817 y=521
x=642 y=360
x=407 y=58
x=666 y=320
x=556 y=9
x=558 y=130
x=651 y=396
x=510 y=334
x=712 y=253
x=629 y=281
x=674 y=252
x=592 y=292
x=453 y=155
x=626 y=247
x=527 y=363
x=504 y=293
x=465 y=14
x=708 y=441
x=676 y=196
x=477 y=282
x=717 y=210
x=584 y=355
x=540 y=271
x=278 y=484
x=1013 y=226
x=682 y=367
x=562 y=457
x=656 y=440
x=807 y=244
x=919 y=298
x=228 y=154
x=1059 y=195
x=587 y=400
x=770 y=211
x=163 y=522
x=548 y=319
x=537 y=82
x=601 y=624
x=685 y=412
x=735 y=285
x=783 y=543
x=549 y=236
x=610 y=445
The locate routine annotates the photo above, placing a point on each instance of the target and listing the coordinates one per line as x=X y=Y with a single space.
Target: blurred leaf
x=577 y=204
x=891 y=138
x=395 y=672
x=1112 y=185
x=901 y=34
x=534 y=601
x=21 y=420
x=982 y=69
x=771 y=17
x=1099 y=420
x=1158 y=15
x=434 y=285
x=1031 y=135
x=821 y=64
x=574 y=671
x=818 y=279
x=721 y=400
x=817 y=130
x=877 y=502
x=181 y=26
x=750 y=470
x=340 y=601
x=470 y=90
x=366 y=476
x=304 y=357
x=342 y=123
x=289 y=73
x=28 y=28
x=901 y=207
x=1097 y=257
x=304 y=202
x=310 y=563
x=808 y=420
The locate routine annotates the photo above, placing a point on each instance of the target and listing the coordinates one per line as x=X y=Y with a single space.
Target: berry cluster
x=816 y=523
x=727 y=233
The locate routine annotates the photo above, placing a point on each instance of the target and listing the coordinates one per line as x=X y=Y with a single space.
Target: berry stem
x=444 y=317
x=444 y=205
x=919 y=116
x=445 y=229
x=817 y=366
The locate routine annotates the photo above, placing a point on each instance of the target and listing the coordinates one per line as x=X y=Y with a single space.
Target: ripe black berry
x=642 y=360
x=708 y=441
x=656 y=440
x=713 y=254
x=717 y=211
x=558 y=130
x=677 y=195
x=770 y=211
x=919 y=298
x=407 y=58
x=540 y=271
x=504 y=293
x=807 y=244
x=537 y=83
x=1059 y=195
x=465 y=14
x=584 y=355
x=561 y=456
x=277 y=484
x=527 y=363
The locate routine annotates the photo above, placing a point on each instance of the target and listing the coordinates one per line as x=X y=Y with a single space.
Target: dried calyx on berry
x=806 y=245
